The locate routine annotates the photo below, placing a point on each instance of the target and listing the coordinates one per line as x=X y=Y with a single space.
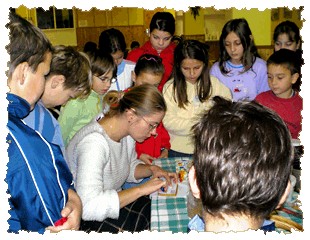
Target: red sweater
x=288 y=109
x=152 y=146
x=166 y=55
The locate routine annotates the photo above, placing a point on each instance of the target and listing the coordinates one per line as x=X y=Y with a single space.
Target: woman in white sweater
x=188 y=95
x=102 y=157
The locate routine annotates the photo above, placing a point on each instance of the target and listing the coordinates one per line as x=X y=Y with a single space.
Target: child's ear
x=295 y=77
x=193 y=182
x=285 y=194
x=57 y=80
x=21 y=72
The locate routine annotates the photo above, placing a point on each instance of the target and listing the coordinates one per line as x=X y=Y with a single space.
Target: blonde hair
x=144 y=99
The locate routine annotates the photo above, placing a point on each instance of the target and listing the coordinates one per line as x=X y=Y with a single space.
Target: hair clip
x=149 y=59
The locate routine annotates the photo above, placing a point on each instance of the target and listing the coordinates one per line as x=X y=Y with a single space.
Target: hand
x=152 y=185
x=158 y=172
x=72 y=211
x=164 y=153
x=147 y=159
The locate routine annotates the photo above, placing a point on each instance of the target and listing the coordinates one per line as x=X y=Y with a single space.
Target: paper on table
x=182 y=191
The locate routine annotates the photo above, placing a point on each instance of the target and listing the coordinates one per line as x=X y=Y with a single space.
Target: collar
x=121 y=67
x=229 y=63
x=17 y=107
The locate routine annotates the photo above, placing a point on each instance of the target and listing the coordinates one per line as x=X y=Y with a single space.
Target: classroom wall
x=207 y=25
x=256 y=20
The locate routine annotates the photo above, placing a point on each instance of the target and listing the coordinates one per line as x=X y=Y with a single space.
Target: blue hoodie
x=38 y=177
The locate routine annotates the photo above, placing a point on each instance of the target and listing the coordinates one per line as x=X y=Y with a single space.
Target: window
x=61 y=18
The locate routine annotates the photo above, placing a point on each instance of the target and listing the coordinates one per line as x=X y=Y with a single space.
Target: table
x=170 y=213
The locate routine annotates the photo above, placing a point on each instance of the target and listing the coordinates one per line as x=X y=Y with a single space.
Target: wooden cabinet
x=91 y=23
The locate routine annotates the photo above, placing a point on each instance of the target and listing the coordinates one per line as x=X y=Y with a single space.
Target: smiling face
x=280 y=80
x=160 y=40
x=234 y=47
x=191 y=69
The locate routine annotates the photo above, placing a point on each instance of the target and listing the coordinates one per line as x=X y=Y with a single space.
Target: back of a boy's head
x=27 y=43
x=74 y=66
x=149 y=63
x=242 y=157
x=286 y=58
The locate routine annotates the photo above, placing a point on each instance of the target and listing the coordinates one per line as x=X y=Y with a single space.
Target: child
x=283 y=71
x=188 y=94
x=69 y=77
x=39 y=180
x=239 y=66
x=240 y=184
x=78 y=112
x=149 y=69
x=287 y=35
x=90 y=47
x=162 y=28
x=112 y=41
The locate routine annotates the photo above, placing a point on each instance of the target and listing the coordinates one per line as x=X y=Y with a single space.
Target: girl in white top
x=112 y=41
x=188 y=95
x=102 y=157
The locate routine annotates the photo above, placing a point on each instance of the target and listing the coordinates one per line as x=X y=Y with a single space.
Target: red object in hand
x=60 y=221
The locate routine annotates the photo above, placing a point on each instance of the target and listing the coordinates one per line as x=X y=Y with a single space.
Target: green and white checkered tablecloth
x=169 y=213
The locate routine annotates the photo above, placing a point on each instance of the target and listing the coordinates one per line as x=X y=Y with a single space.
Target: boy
x=38 y=178
x=69 y=77
x=283 y=71
x=241 y=165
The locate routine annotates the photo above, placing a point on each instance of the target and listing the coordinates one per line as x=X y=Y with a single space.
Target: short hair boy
x=69 y=77
x=283 y=68
x=39 y=180
x=241 y=165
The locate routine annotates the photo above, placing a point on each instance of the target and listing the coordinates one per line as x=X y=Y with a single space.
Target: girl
x=112 y=41
x=78 y=112
x=188 y=94
x=286 y=35
x=102 y=157
x=239 y=67
x=162 y=28
x=149 y=69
